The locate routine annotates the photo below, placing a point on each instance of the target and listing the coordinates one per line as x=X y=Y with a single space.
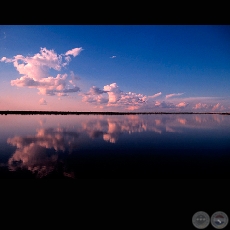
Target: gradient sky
x=115 y=68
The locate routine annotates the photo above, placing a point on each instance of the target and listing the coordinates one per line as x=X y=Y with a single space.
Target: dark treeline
x=99 y=113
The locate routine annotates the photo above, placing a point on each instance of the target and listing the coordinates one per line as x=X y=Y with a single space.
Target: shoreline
x=6 y=112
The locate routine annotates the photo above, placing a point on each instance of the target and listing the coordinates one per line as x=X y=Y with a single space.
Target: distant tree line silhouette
x=5 y=112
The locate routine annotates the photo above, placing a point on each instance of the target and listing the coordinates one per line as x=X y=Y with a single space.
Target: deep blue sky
x=189 y=63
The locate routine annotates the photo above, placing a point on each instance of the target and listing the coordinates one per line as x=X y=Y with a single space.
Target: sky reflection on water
x=114 y=146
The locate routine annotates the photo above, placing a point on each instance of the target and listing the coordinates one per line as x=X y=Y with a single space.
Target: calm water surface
x=115 y=146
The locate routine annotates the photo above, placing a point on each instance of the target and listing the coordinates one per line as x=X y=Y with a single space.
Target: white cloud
x=119 y=98
x=113 y=91
x=74 y=52
x=173 y=95
x=112 y=96
x=155 y=95
x=3 y=59
x=35 y=72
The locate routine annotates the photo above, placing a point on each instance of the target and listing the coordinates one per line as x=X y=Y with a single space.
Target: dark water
x=115 y=146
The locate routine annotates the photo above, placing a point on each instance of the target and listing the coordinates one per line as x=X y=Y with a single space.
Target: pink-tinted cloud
x=112 y=96
x=129 y=100
x=35 y=72
x=155 y=95
x=173 y=95
x=42 y=101
x=98 y=99
x=95 y=95
x=74 y=52
x=200 y=106
x=5 y=59
x=182 y=104
x=163 y=104
x=215 y=107
x=206 y=107
x=210 y=107
x=170 y=105
x=218 y=106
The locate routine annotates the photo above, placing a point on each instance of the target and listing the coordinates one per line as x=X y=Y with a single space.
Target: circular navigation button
x=201 y=220
x=219 y=220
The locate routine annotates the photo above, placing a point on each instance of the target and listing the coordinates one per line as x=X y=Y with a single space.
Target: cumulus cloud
x=112 y=96
x=170 y=105
x=35 y=72
x=163 y=104
x=218 y=106
x=209 y=107
x=182 y=104
x=42 y=101
x=99 y=99
x=119 y=98
x=94 y=95
x=215 y=107
x=114 y=92
x=96 y=91
x=200 y=105
x=173 y=95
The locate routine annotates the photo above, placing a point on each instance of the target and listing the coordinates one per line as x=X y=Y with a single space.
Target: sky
x=143 y=68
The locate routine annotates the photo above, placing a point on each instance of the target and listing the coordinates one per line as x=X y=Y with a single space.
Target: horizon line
x=100 y=112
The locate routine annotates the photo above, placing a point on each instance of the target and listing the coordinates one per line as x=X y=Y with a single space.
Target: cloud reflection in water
x=44 y=152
